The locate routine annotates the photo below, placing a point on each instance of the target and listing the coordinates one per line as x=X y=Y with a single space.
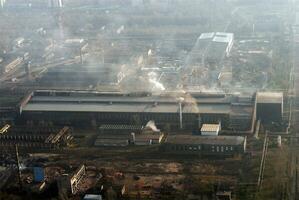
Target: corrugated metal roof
x=120 y=127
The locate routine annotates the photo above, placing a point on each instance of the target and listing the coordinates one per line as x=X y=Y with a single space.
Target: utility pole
x=18 y=166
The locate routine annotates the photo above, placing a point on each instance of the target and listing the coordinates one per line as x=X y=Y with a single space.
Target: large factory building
x=169 y=111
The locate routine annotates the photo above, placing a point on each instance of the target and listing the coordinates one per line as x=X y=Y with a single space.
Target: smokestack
x=55 y=3
x=181 y=99
x=279 y=141
x=18 y=165
x=60 y=3
x=27 y=69
x=181 y=116
x=134 y=138
x=2 y=2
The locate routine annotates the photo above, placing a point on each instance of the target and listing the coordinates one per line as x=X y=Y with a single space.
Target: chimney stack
x=27 y=69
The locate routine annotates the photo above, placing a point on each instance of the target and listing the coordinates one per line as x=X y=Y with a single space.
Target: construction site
x=148 y=99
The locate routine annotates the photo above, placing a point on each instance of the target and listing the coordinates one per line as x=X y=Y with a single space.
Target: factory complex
x=148 y=100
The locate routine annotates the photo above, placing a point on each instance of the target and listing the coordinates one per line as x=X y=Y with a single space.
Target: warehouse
x=79 y=108
x=205 y=145
x=124 y=134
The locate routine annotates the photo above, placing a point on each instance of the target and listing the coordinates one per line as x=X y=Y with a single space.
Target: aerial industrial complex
x=132 y=99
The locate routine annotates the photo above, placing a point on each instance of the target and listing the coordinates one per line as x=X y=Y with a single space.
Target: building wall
x=215 y=119
x=242 y=123
x=209 y=133
x=269 y=112
x=162 y=120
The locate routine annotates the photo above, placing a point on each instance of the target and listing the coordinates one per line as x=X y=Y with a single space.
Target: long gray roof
x=125 y=107
x=195 y=139
x=135 y=104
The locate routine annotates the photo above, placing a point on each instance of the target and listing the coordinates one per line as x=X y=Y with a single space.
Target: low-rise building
x=205 y=145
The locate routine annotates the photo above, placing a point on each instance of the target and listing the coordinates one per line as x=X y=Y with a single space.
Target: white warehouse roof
x=218 y=37
x=206 y=36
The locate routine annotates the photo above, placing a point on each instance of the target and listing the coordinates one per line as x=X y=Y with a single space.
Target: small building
x=269 y=106
x=210 y=129
x=205 y=145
